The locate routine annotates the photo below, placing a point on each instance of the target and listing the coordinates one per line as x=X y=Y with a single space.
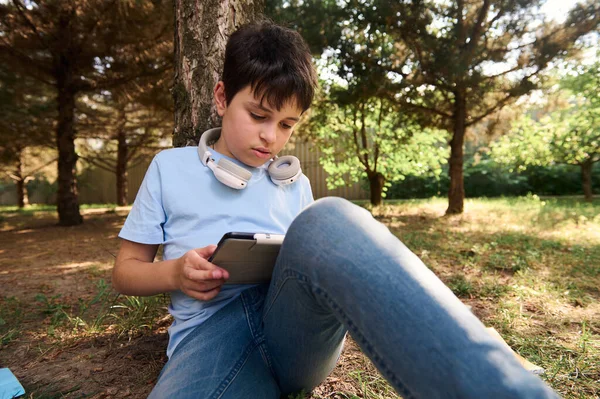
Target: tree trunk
x=456 y=193
x=201 y=33
x=22 y=198
x=376 y=182
x=121 y=168
x=21 y=193
x=67 y=196
x=586 y=179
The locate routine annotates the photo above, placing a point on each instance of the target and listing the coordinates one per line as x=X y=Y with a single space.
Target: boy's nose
x=268 y=133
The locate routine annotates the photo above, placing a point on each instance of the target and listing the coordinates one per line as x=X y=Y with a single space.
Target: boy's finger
x=204 y=275
x=220 y=273
x=205 y=286
x=206 y=252
x=205 y=295
x=217 y=272
x=200 y=262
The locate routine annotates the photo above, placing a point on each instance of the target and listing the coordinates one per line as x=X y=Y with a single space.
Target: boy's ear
x=219 y=96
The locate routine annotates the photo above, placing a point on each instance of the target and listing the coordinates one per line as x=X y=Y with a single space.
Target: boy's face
x=253 y=132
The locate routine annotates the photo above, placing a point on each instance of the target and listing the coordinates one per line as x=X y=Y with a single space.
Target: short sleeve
x=145 y=221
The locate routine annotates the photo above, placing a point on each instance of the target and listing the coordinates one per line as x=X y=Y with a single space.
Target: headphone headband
x=211 y=135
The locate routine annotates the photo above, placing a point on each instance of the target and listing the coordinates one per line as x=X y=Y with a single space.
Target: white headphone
x=283 y=171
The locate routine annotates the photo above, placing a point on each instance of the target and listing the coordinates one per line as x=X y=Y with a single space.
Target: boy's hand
x=197 y=277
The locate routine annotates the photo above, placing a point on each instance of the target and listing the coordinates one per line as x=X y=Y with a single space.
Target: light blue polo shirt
x=181 y=205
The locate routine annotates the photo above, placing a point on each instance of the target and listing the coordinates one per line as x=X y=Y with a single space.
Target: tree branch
x=41 y=167
x=363 y=136
x=97 y=163
x=32 y=26
x=28 y=62
x=491 y=110
x=106 y=84
x=420 y=107
x=354 y=133
x=476 y=32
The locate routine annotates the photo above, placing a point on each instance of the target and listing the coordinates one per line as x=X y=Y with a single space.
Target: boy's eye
x=286 y=126
x=257 y=117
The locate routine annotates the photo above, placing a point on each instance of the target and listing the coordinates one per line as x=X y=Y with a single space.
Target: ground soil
x=64 y=265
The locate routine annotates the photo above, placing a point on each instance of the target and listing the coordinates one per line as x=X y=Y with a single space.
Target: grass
x=134 y=314
x=529 y=267
x=531 y=264
x=11 y=316
x=122 y=314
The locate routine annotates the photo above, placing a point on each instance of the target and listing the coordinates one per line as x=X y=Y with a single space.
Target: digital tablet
x=248 y=257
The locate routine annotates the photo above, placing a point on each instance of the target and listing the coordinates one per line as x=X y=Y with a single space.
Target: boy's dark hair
x=275 y=62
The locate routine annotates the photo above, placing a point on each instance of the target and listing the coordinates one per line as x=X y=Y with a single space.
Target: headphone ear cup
x=284 y=170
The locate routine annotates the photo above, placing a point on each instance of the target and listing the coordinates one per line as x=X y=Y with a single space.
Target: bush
x=486 y=179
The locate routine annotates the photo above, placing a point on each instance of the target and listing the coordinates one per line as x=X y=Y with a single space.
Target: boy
x=338 y=270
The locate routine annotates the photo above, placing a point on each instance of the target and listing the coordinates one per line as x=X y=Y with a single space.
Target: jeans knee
x=316 y=226
x=330 y=211
x=330 y=225
x=336 y=225
x=327 y=205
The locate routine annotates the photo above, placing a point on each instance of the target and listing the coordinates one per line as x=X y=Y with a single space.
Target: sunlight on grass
x=530 y=265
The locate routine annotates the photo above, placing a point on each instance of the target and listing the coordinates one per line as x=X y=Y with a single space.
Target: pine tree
x=26 y=115
x=82 y=46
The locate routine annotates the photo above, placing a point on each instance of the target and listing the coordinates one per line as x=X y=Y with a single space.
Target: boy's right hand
x=197 y=277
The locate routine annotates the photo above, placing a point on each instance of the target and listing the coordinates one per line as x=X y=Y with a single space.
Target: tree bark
x=456 y=192
x=22 y=197
x=376 y=182
x=121 y=170
x=20 y=193
x=67 y=196
x=586 y=180
x=201 y=32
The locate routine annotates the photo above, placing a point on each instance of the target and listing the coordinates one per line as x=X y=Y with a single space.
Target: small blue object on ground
x=9 y=385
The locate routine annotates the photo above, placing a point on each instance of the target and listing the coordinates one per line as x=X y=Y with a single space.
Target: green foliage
x=26 y=115
x=583 y=82
x=104 y=299
x=369 y=137
x=76 y=316
x=488 y=179
x=446 y=64
x=570 y=135
x=300 y=395
x=566 y=136
x=524 y=146
x=372 y=385
x=460 y=286
x=134 y=313
x=11 y=316
x=44 y=190
x=130 y=313
x=53 y=308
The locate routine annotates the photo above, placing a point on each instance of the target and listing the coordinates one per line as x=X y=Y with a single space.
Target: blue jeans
x=340 y=270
